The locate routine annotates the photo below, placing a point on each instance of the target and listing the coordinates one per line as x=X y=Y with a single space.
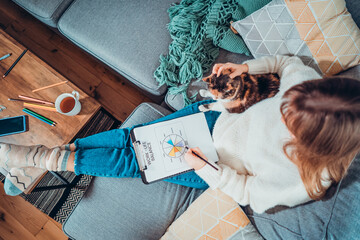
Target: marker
x=13 y=65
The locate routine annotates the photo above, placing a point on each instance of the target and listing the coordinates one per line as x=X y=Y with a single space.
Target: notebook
x=160 y=147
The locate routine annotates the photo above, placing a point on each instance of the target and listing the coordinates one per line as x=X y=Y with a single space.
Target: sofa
x=125 y=35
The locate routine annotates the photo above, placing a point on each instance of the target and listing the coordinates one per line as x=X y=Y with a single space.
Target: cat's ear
x=207 y=79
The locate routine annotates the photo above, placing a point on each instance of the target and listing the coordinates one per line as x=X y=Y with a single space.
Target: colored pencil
x=38 y=115
x=50 y=86
x=13 y=65
x=33 y=115
x=197 y=155
x=5 y=56
x=23 y=100
x=40 y=106
x=35 y=100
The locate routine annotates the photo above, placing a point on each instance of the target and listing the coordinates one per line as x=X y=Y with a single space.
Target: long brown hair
x=324 y=117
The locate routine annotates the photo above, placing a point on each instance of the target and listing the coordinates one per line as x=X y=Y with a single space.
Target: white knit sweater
x=253 y=167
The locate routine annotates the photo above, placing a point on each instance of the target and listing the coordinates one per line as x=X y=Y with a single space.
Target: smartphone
x=13 y=125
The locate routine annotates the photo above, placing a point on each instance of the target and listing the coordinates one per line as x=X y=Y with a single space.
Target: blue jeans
x=111 y=153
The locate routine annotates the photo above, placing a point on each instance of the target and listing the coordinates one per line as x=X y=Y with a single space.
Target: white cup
x=76 y=108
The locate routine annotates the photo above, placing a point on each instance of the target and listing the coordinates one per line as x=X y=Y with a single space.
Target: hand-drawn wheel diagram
x=173 y=146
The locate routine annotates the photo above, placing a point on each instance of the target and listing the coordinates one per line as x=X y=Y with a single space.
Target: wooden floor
x=18 y=218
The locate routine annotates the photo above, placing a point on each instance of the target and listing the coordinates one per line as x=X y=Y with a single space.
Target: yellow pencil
x=40 y=106
x=52 y=85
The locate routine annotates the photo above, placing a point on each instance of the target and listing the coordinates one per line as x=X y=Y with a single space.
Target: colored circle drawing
x=173 y=146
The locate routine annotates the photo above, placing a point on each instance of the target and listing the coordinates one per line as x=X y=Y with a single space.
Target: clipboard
x=160 y=147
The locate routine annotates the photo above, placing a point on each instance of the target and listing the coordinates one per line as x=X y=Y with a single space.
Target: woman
x=264 y=161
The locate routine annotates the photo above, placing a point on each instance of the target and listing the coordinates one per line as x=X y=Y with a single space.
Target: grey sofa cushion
x=353 y=7
x=126 y=208
x=46 y=11
x=129 y=36
x=145 y=112
x=334 y=217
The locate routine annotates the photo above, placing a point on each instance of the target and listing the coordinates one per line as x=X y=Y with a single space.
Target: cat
x=238 y=94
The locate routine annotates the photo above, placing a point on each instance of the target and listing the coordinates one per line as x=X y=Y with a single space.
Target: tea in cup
x=68 y=103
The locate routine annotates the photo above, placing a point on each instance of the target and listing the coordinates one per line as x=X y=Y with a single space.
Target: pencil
x=38 y=115
x=23 y=100
x=13 y=65
x=52 y=85
x=33 y=115
x=35 y=100
x=202 y=158
x=40 y=106
x=5 y=56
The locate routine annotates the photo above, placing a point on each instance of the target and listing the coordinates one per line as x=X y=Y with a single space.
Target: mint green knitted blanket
x=198 y=29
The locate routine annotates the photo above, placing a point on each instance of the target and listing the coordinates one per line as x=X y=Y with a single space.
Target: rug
x=58 y=203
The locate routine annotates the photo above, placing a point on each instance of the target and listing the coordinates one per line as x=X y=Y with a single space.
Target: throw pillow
x=213 y=215
x=322 y=33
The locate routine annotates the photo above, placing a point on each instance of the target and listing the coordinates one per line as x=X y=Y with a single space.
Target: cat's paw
x=203 y=108
x=203 y=92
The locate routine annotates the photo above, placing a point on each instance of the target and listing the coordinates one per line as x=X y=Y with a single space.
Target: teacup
x=68 y=103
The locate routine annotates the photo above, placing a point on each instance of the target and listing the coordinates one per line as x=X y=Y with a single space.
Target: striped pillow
x=322 y=33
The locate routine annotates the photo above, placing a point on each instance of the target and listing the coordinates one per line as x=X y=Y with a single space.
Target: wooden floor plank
x=50 y=231
x=10 y=228
x=121 y=106
x=25 y=213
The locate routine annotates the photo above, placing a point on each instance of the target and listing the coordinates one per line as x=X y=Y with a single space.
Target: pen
x=197 y=155
x=5 y=56
x=13 y=65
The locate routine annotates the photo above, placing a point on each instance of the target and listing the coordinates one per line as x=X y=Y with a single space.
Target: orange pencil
x=50 y=86
x=39 y=106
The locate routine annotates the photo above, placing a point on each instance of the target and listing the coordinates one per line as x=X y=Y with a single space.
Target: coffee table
x=32 y=73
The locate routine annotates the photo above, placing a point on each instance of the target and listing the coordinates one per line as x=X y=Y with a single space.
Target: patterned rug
x=58 y=203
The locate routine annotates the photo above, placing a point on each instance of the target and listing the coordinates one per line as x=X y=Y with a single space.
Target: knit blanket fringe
x=198 y=28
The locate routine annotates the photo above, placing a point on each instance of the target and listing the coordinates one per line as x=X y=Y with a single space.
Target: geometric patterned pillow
x=321 y=32
x=213 y=215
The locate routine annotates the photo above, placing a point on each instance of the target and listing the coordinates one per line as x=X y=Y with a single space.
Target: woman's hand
x=195 y=162
x=235 y=69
